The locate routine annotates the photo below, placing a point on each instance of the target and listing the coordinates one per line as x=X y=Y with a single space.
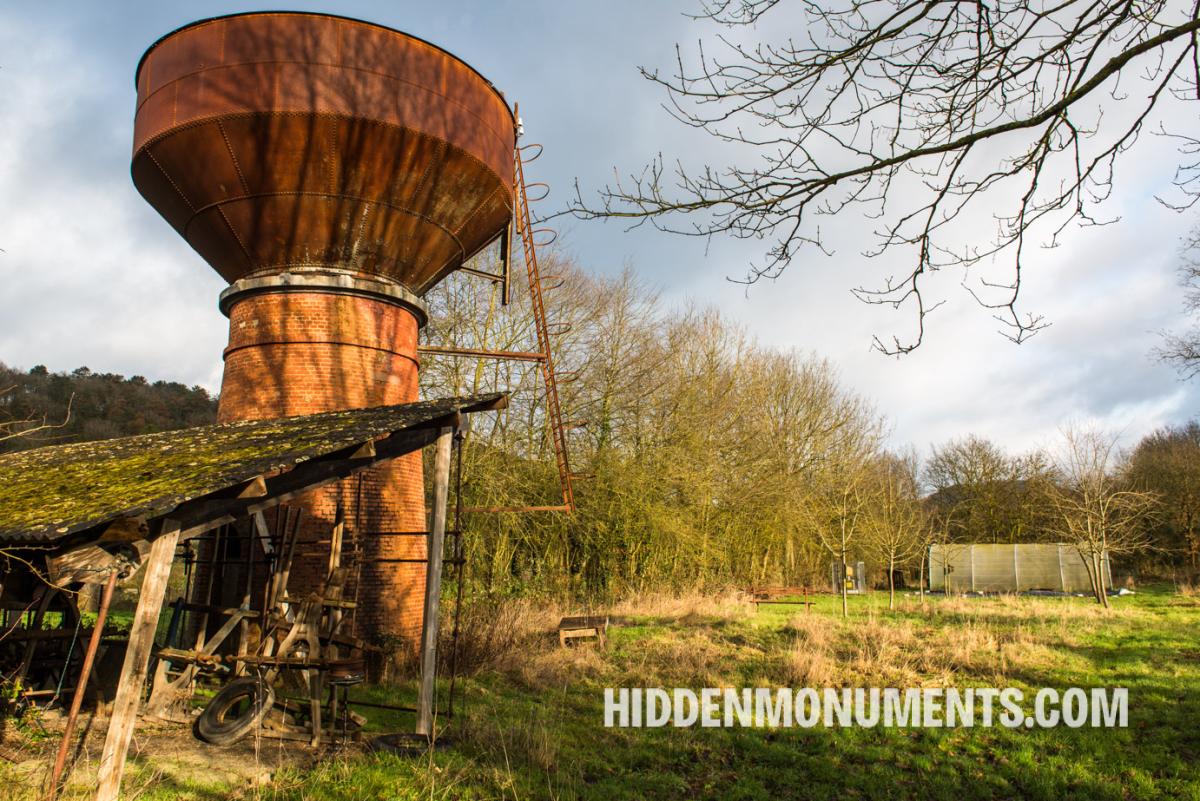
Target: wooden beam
x=264 y=534
x=137 y=660
x=88 y=564
x=433 y=582
x=202 y=514
x=254 y=488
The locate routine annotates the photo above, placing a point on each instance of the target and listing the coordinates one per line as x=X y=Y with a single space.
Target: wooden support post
x=137 y=660
x=244 y=627
x=1062 y=574
x=335 y=541
x=433 y=582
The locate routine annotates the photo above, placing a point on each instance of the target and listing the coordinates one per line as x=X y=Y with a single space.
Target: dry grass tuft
x=533 y=737
x=805 y=668
x=683 y=660
x=557 y=667
x=495 y=634
x=1008 y=608
x=517 y=637
x=817 y=630
x=882 y=650
x=688 y=608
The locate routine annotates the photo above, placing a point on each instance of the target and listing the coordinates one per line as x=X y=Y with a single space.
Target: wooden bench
x=582 y=627
x=780 y=595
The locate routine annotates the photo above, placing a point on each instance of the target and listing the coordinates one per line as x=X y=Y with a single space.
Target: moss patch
x=53 y=492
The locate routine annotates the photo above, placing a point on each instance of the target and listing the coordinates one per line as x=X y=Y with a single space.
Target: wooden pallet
x=583 y=627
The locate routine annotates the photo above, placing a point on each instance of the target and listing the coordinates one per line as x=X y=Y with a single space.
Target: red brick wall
x=304 y=352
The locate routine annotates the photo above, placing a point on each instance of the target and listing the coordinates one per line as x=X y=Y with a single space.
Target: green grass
x=533 y=727
x=536 y=730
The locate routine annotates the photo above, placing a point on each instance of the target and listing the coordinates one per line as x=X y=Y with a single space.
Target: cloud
x=93 y=276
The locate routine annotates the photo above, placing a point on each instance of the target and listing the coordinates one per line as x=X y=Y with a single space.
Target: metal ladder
x=528 y=235
x=522 y=221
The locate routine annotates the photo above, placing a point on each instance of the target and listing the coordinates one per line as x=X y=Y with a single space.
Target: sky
x=91 y=275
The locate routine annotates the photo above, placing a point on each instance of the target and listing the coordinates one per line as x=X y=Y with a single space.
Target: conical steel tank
x=277 y=141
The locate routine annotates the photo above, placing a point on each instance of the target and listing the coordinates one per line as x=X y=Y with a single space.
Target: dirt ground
x=161 y=754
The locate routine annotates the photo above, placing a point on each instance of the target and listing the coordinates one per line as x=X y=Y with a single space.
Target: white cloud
x=93 y=276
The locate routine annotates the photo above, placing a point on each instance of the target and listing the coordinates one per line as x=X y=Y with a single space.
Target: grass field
x=533 y=727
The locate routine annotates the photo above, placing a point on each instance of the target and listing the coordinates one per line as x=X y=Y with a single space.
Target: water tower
x=332 y=171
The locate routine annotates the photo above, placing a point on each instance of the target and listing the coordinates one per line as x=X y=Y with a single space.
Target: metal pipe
x=515 y=355
x=487 y=509
x=499 y=279
x=85 y=672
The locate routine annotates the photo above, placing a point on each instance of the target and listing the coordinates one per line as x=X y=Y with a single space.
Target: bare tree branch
x=939 y=109
x=30 y=425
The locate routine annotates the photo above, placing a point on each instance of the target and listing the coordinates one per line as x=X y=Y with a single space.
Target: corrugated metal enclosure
x=979 y=567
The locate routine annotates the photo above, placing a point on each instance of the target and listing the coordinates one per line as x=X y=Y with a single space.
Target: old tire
x=235 y=711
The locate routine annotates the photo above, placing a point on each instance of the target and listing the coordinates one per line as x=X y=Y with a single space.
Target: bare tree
x=1183 y=349
x=30 y=425
x=838 y=512
x=897 y=529
x=1167 y=462
x=699 y=445
x=925 y=536
x=993 y=495
x=942 y=533
x=1094 y=509
x=918 y=113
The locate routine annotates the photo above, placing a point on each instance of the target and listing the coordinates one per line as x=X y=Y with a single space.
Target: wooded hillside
x=82 y=405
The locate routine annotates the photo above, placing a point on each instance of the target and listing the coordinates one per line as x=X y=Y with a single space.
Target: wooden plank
x=255 y=487
x=583 y=622
x=335 y=543
x=433 y=582
x=758 y=601
x=137 y=659
x=87 y=564
x=264 y=535
x=364 y=451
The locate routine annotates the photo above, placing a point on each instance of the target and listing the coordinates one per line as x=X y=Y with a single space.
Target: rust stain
x=278 y=129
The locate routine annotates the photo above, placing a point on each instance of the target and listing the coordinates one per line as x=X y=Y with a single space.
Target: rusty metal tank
x=282 y=141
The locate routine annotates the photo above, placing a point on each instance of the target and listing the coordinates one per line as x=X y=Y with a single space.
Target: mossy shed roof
x=48 y=494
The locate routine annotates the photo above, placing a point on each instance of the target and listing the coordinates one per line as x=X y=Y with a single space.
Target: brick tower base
x=302 y=343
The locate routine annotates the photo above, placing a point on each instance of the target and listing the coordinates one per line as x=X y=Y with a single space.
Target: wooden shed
x=98 y=511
